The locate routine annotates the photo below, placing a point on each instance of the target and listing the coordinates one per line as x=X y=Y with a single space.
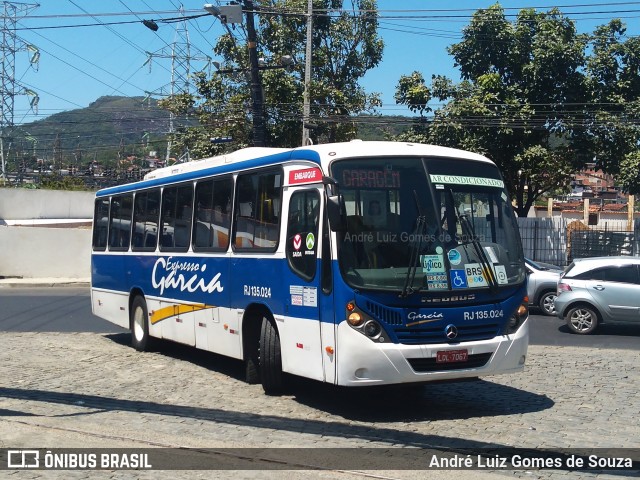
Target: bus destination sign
x=371 y=178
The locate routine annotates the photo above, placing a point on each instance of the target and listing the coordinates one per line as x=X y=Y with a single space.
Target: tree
x=611 y=132
x=520 y=81
x=345 y=47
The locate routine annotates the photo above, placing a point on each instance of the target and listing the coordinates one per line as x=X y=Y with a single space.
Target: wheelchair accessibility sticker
x=458 y=279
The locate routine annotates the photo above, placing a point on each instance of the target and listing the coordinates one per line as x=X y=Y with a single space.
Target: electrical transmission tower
x=180 y=54
x=10 y=87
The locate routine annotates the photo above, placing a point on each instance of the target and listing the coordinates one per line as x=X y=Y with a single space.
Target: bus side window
x=177 y=207
x=145 y=220
x=100 y=223
x=120 y=222
x=212 y=218
x=257 y=215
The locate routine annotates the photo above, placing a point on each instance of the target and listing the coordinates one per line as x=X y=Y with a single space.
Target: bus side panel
x=182 y=291
x=328 y=331
x=110 y=305
x=153 y=305
x=302 y=330
x=223 y=331
x=179 y=327
x=108 y=299
x=293 y=303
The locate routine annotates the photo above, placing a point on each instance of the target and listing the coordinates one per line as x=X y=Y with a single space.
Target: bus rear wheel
x=139 y=324
x=271 y=374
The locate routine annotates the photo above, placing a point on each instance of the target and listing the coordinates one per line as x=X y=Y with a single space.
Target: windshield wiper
x=469 y=232
x=416 y=245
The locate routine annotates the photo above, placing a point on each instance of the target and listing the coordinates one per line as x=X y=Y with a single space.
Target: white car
x=542 y=285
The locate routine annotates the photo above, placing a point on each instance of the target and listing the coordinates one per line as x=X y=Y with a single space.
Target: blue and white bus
x=358 y=263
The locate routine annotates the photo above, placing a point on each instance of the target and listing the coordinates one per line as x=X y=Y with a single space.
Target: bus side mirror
x=336 y=212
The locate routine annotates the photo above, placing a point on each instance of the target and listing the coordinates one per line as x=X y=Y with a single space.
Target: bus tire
x=139 y=324
x=271 y=374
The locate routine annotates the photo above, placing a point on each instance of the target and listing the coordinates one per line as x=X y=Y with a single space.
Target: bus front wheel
x=270 y=359
x=139 y=324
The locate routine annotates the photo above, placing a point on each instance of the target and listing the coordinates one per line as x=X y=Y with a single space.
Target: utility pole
x=230 y=14
x=181 y=58
x=257 y=110
x=306 y=108
x=9 y=86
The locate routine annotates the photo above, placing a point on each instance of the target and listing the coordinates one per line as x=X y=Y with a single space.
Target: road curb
x=42 y=283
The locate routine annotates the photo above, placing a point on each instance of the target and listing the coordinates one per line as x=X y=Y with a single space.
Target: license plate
x=451 y=356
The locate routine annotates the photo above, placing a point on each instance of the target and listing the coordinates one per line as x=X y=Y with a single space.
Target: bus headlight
x=372 y=329
x=355 y=319
x=362 y=323
x=518 y=318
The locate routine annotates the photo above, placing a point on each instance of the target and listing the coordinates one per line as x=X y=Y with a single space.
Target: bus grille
x=430 y=365
x=390 y=317
x=427 y=335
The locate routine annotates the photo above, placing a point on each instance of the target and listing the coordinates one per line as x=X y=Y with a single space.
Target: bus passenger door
x=303 y=332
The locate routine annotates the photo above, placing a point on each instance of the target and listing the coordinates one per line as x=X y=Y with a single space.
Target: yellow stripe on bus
x=175 y=310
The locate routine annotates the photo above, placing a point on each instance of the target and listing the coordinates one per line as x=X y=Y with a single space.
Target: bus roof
x=255 y=157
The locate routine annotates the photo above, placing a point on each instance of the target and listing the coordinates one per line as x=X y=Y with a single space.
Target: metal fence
x=558 y=241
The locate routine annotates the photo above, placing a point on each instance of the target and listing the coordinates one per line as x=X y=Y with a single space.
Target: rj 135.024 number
x=255 y=291
x=483 y=314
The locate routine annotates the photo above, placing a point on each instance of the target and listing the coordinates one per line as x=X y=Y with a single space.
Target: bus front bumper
x=362 y=361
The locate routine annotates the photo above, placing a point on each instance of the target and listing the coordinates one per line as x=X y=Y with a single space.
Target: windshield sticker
x=462 y=180
x=432 y=263
x=491 y=254
x=297 y=243
x=310 y=297
x=437 y=281
x=303 y=296
x=310 y=241
x=439 y=187
x=501 y=274
x=454 y=257
x=475 y=275
x=458 y=279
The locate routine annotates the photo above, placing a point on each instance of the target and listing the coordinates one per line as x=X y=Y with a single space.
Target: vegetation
x=108 y=129
x=538 y=98
x=58 y=182
x=345 y=47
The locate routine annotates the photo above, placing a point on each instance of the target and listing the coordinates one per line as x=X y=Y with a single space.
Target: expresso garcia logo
x=184 y=276
x=416 y=318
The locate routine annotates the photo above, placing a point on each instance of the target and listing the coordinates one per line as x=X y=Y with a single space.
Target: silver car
x=542 y=285
x=593 y=291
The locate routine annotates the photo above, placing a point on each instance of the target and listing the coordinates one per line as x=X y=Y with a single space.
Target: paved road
x=68 y=309
x=92 y=390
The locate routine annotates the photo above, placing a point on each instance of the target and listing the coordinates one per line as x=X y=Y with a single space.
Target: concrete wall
x=35 y=252
x=40 y=252
x=22 y=203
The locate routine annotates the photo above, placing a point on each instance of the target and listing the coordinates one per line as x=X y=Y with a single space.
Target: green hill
x=114 y=127
x=106 y=128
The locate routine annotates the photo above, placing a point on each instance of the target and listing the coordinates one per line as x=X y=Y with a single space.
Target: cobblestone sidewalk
x=87 y=390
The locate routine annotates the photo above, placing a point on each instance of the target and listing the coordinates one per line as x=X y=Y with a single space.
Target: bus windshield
x=427 y=224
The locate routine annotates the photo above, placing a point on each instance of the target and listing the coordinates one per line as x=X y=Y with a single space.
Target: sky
x=110 y=55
